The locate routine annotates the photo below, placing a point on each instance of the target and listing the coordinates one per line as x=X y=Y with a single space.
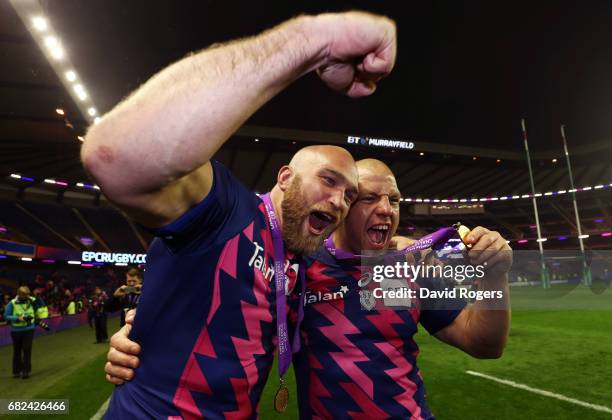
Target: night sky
x=467 y=72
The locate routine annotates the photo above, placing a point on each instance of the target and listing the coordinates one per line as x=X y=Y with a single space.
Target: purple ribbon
x=284 y=351
x=434 y=240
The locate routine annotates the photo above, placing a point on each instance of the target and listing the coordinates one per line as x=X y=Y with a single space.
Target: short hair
x=134 y=272
x=24 y=290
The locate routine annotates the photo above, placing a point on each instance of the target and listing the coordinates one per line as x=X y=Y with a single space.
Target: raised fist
x=361 y=51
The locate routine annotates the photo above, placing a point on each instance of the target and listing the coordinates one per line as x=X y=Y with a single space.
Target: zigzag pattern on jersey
x=230 y=385
x=356 y=357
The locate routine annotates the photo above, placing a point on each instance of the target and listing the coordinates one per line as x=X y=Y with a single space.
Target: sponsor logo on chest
x=265 y=266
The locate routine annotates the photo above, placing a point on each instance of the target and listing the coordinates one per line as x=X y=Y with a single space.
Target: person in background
x=38 y=286
x=42 y=311
x=128 y=295
x=97 y=305
x=80 y=300
x=4 y=301
x=70 y=304
x=21 y=314
x=52 y=296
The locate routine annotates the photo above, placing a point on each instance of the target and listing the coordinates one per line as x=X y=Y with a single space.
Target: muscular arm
x=481 y=329
x=151 y=153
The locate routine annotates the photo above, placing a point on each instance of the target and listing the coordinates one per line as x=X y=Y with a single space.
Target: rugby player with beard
x=355 y=361
x=207 y=318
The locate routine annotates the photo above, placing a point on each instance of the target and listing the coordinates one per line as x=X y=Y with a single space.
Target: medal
x=285 y=350
x=463 y=231
x=281 y=399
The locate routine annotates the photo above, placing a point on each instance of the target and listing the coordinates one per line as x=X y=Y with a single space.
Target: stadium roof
x=465 y=76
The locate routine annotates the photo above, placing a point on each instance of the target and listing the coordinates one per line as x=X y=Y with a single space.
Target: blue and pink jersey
x=206 y=320
x=357 y=362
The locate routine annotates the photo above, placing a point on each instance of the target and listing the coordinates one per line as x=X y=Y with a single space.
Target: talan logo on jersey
x=258 y=262
x=318 y=296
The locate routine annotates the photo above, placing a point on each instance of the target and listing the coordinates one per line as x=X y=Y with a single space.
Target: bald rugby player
x=365 y=361
x=359 y=361
x=208 y=319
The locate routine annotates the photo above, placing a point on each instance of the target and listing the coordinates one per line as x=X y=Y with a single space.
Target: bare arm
x=151 y=153
x=481 y=329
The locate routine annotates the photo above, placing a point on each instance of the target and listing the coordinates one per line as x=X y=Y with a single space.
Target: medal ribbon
x=284 y=350
x=434 y=240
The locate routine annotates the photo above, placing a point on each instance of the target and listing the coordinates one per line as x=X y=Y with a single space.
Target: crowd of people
x=64 y=296
x=59 y=297
x=27 y=308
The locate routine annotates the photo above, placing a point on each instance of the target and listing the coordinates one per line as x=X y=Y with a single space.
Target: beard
x=294 y=214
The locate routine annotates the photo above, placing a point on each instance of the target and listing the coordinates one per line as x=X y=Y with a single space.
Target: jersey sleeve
x=438 y=313
x=8 y=312
x=220 y=215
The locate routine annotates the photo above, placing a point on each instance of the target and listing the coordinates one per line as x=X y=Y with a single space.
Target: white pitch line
x=542 y=392
x=101 y=411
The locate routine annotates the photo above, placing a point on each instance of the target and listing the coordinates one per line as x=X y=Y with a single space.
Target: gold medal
x=463 y=231
x=281 y=399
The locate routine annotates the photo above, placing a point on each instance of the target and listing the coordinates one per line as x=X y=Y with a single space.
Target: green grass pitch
x=560 y=341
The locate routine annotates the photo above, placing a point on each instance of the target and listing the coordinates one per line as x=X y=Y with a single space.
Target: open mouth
x=378 y=234
x=318 y=221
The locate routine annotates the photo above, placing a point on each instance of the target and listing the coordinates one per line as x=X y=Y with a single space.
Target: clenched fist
x=361 y=50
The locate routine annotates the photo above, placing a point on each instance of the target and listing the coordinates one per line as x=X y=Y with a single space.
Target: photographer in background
x=21 y=313
x=97 y=308
x=128 y=295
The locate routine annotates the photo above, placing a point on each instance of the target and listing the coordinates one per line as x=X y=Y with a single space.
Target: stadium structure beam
x=22 y=237
x=341 y=139
x=470 y=186
x=540 y=178
x=564 y=216
x=554 y=185
x=500 y=221
x=91 y=230
x=46 y=226
x=414 y=181
x=450 y=188
x=503 y=183
x=433 y=181
x=420 y=146
x=447 y=187
x=600 y=175
x=604 y=212
x=142 y=241
x=405 y=172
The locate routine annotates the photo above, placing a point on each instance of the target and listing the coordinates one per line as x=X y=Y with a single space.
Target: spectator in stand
x=82 y=303
x=70 y=304
x=52 y=297
x=97 y=305
x=3 y=304
x=128 y=295
x=110 y=279
x=42 y=311
x=21 y=314
x=38 y=286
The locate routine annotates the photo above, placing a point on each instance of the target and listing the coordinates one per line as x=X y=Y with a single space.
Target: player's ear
x=284 y=177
